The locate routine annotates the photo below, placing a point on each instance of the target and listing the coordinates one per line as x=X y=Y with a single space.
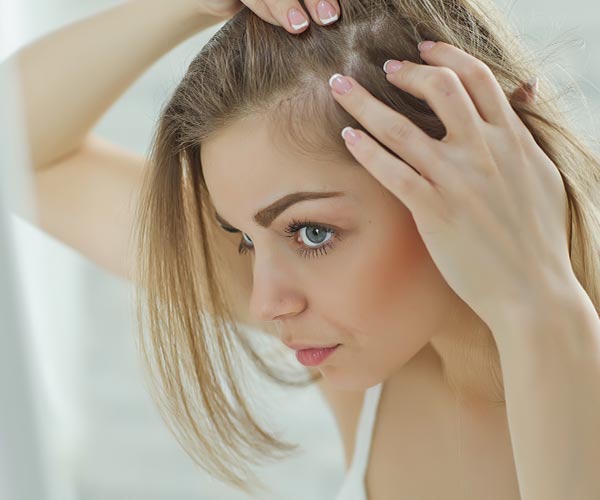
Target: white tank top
x=353 y=485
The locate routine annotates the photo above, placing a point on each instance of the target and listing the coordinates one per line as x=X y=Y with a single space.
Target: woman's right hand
x=289 y=14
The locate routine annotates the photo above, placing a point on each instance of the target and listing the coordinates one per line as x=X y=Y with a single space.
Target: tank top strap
x=364 y=432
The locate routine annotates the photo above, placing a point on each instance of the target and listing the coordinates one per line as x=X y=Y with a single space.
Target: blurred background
x=73 y=396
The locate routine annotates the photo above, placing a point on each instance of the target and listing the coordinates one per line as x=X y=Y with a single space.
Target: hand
x=276 y=11
x=223 y=9
x=487 y=201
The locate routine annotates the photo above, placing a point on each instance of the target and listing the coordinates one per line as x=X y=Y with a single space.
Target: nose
x=274 y=294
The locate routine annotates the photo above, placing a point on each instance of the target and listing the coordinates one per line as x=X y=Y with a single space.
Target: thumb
x=527 y=91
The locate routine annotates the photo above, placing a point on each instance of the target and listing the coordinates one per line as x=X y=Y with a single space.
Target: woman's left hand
x=488 y=202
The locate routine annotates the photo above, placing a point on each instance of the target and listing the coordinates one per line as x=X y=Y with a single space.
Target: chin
x=347 y=380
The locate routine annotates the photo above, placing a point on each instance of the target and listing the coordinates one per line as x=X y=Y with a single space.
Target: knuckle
x=443 y=79
x=399 y=131
x=478 y=71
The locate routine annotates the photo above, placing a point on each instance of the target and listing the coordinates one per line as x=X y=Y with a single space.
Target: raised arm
x=85 y=188
x=72 y=76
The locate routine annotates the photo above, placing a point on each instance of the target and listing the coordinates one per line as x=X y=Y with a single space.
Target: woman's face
x=371 y=286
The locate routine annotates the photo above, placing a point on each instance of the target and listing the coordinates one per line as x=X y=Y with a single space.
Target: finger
x=290 y=14
x=526 y=92
x=391 y=128
x=442 y=89
x=412 y=189
x=261 y=9
x=324 y=12
x=477 y=78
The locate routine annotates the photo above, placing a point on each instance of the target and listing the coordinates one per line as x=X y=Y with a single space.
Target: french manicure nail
x=425 y=45
x=350 y=135
x=297 y=19
x=391 y=65
x=340 y=84
x=326 y=12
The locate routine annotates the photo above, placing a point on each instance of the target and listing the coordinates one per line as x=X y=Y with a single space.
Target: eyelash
x=292 y=228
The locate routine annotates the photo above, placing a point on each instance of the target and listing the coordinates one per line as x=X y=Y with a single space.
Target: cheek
x=390 y=274
x=391 y=290
x=378 y=273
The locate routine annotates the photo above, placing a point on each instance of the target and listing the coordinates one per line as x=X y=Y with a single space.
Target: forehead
x=245 y=162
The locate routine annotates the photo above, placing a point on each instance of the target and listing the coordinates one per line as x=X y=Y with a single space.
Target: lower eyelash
x=312 y=252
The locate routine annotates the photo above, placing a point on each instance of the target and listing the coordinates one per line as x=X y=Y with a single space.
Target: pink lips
x=314 y=357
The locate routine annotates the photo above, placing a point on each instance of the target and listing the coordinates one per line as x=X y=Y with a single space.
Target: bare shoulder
x=346 y=406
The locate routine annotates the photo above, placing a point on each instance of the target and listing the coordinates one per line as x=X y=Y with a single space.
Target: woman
x=437 y=242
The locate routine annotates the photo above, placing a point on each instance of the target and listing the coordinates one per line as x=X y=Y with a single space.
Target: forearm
x=70 y=77
x=551 y=370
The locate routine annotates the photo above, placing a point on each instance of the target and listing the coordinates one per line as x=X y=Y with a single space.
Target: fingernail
x=297 y=19
x=350 y=135
x=425 y=45
x=340 y=84
x=533 y=83
x=392 y=65
x=326 y=12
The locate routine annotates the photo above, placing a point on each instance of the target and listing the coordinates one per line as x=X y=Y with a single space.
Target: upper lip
x=298 y=347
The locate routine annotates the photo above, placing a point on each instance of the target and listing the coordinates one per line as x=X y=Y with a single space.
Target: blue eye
x=312 y=233
x=315 y=238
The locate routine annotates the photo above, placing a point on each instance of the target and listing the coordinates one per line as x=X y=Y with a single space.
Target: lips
x=314 y=357
x=299 y=347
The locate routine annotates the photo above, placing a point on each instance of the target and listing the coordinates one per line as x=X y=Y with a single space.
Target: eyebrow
x=267 y=215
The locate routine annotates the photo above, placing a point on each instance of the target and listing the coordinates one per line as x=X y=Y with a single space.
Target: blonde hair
x=252 y=67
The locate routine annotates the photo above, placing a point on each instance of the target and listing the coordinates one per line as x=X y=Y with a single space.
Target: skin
x=376 y=292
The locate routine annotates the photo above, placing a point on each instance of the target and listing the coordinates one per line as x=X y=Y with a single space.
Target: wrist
x=191 y=15
x=551 y=305
x=202 y=9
